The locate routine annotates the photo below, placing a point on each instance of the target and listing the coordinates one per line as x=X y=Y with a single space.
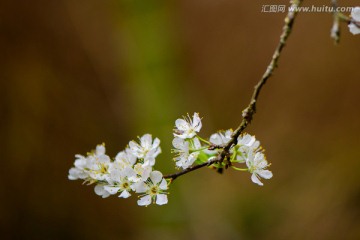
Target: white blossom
x=186 y=151
x=94 y=166
x=257 y=165
x=154 y=190
x=119 y=181
x=125 y=159
x=246 y=145
x=146 y=150
x=221 y=138
x=132 y=169
x=98 y=163
x=142 y=172
x=355 y=16
x=78 y=172
x=187 y=128
x=99 y=190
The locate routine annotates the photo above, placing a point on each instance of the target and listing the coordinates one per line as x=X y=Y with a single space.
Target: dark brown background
x=78 y=73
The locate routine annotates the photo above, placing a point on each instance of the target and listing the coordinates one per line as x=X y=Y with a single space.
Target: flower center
x=125 y=185
x=154 y=190
x=103 y=168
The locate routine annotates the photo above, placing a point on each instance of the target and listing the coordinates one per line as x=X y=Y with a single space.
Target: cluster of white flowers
x=189 y=149
x=355 y=16
x=131 y=170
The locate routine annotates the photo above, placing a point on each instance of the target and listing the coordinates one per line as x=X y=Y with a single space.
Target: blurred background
x=74 y=74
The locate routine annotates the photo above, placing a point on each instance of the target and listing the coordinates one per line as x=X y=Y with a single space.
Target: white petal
x=73 y=174
x=156 y=143
x=197 y=143
x=144 y=201
x=260 y=160
x=111 y=190
x=228 y=134
x=155 y=177
x=265 y=174
x=80 y=162
x=215 y=139
x=192 y=158
x=354 y=29
x=196 y=124
x=161 y=199
x=105 y=195
x=100 y=150
x=255 y=145
x=256 y=180
x=104 y=159
x=129 y=172
x=179 y=163
x=184 y=136
x=125 y=194
x=146 y=140
x=130 y=156
x=149 y=161
x=146 y=173
x=178 y=143
x=120 y=157
x=163 y=185
x=140 y=187
x=251 y=140
x=153 y=153
x=115 y=174
x=181 y=124
x=244 y=139
x=250 y=159
x=99 y=189
x=355 y=14
x=157 y=152
x=134 y=147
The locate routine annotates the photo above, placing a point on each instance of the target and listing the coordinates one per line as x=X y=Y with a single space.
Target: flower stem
x=203 y=140
x=240 y=169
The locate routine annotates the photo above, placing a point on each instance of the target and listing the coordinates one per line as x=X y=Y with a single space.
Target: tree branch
x=251 y=109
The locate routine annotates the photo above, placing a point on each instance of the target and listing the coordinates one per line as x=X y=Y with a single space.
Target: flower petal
x=146 y=140
x=100 y=149
x=196 y=143
x=178 y=143
x=215 y=139
x=140 y=187
x=125 y=194
x=73 y=174
x=163 y=185
x=144 y=201
x=129 y=172
x=355 y=14
x=181 y=124
x=265 y=174
x=149 y=161
x=111 y=190
x=156 y=143
x=99 y=190
x=256 y=180
x=161 y=199
x=196 y=124
x=155 y=177
x=354 y=29
x=134 y=148
x=146 y=173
